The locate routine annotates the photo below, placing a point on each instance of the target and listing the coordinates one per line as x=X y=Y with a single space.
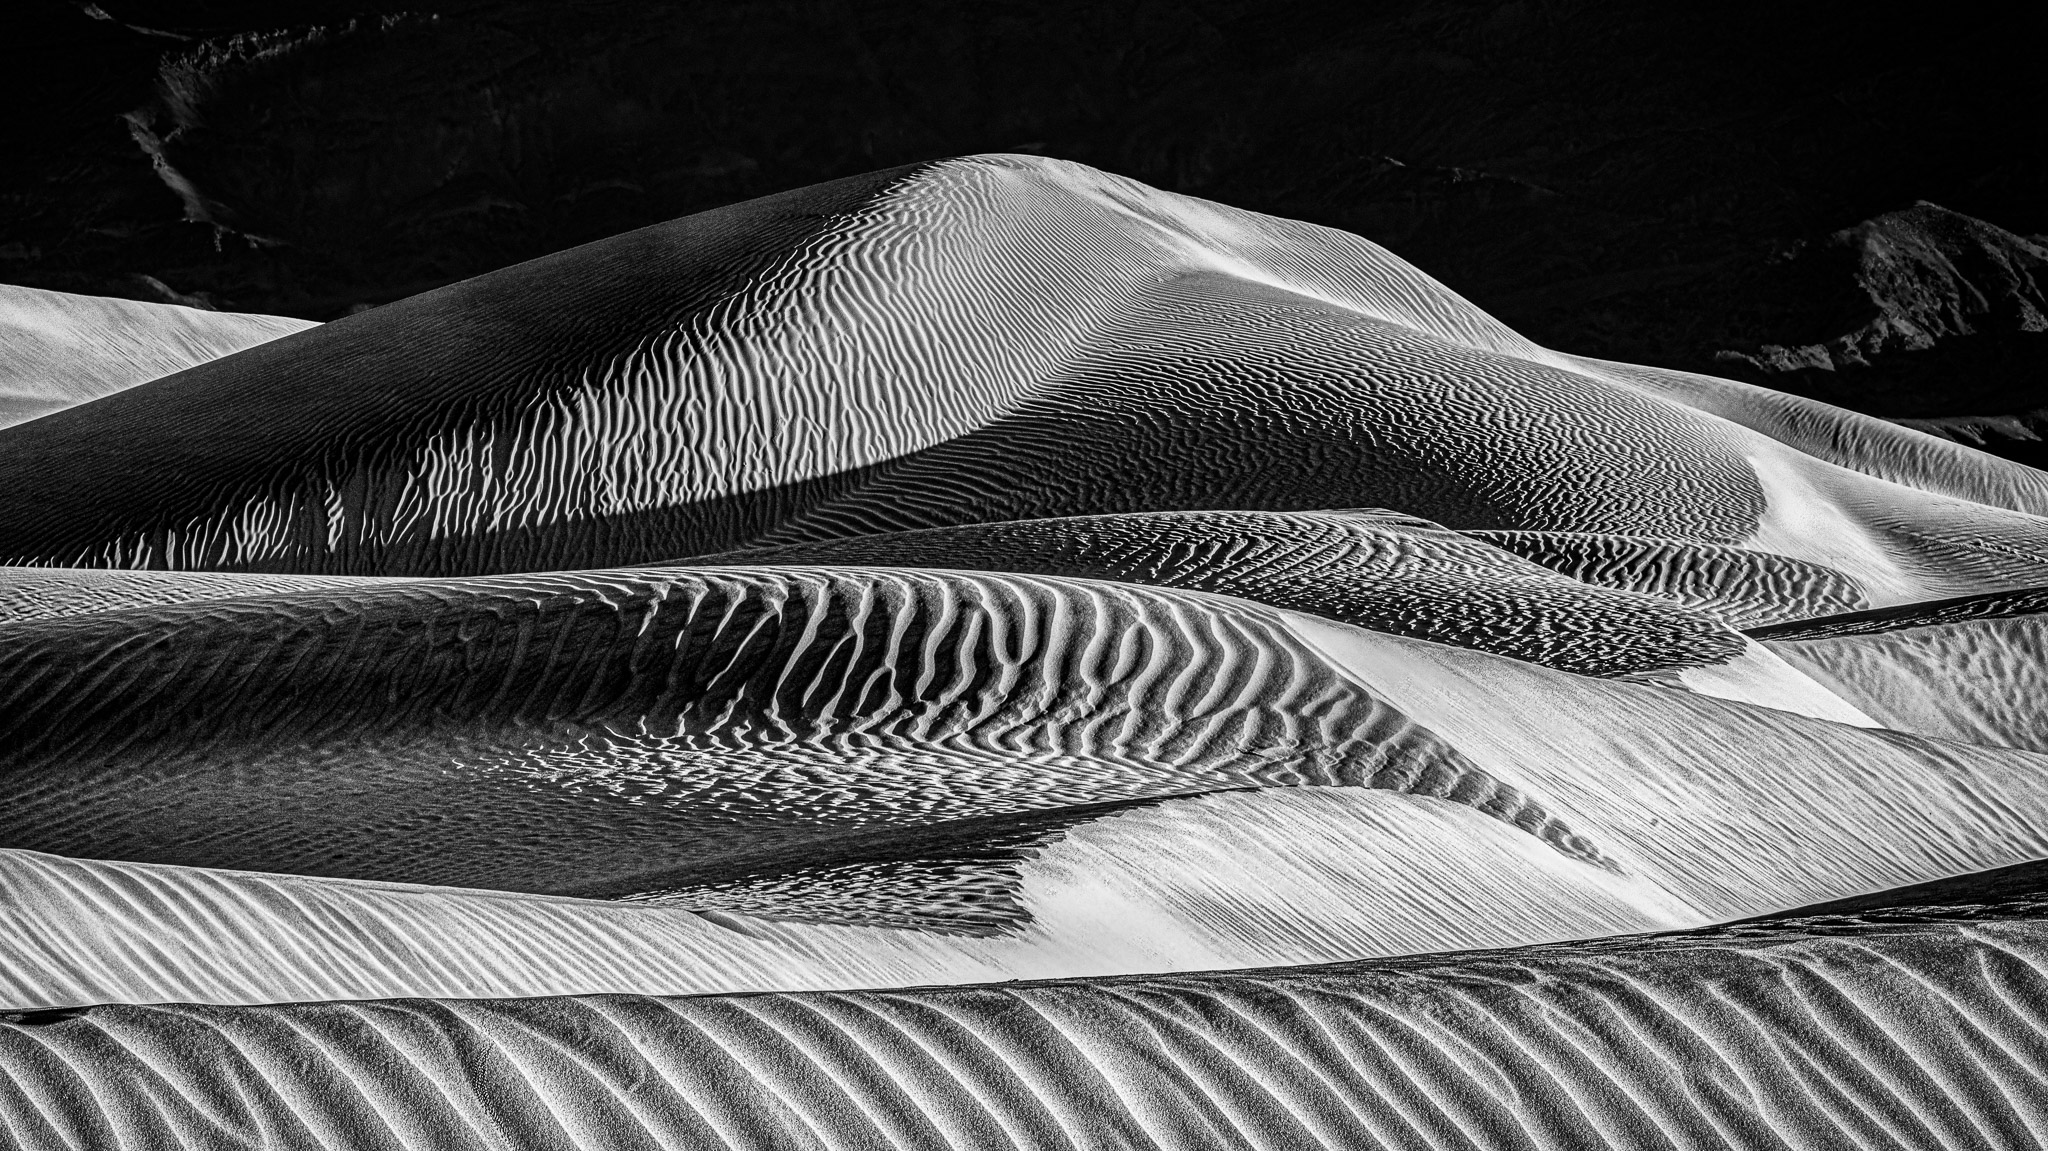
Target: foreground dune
x=57 y=349
x=1231 y=879
x=1906 y=1032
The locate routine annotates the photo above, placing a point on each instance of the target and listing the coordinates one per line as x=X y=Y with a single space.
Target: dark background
x=1727 y=187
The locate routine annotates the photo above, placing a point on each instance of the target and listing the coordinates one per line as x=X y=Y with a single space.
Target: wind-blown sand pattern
x=57 y=349
x=1917 y=1034
x=1741 y=587
x=658 y=695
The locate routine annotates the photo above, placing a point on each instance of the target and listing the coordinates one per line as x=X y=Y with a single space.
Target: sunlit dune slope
x=45 y=593
x=1231 y=879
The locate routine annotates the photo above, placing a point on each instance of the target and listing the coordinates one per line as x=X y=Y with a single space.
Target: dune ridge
x=400 y=730
x=1981 y=681
x=1375 y=569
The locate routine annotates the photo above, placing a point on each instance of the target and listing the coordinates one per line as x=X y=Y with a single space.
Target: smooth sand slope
x=1903 y=1033
x=991 y=338
x=46 y=593
x=57 y=349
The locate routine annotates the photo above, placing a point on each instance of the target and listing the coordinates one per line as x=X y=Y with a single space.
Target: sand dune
x=992 y=338
x=1042 y=576
x=57 y=349
x=1817 y=1033
x=632 y=732
x=1740 y=587
x=46 y=593
x=1974 y=670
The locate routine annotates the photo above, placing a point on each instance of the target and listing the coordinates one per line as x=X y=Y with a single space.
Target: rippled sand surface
x=669 y=694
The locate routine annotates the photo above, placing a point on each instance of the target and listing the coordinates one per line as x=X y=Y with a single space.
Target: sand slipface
x=668 y=693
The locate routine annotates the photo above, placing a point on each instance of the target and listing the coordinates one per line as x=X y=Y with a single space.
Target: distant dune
x=986 y=570
x=57 y=349
x=993 y=338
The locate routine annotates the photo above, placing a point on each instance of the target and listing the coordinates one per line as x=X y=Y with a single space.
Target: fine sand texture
x=1377 y=569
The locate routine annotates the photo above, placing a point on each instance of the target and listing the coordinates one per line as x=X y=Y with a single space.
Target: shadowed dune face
x=983 y=339
x=57 y=349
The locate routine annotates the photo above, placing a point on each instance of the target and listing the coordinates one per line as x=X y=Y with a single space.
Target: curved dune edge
x=1762 y=676
x=1917 y=1035
x=1233 y=879
x=1682 y=809
x=834 y=362
x=59 y=349
x=1741 y=587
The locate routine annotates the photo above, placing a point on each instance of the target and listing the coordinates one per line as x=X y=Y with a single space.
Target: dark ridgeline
x=1651 y=183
